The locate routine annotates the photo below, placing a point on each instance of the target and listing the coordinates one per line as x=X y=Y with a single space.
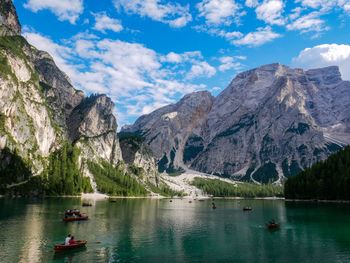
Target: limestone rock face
x=9 y=23
x=167 y=129
x=270 y=122
x=59 y=92
x=93 y=122
x=138 y=154
x=40 y=108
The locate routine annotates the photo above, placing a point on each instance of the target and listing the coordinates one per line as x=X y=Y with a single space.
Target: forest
x=220 y=188
x=62 y=175
x=115 y=181
x=327 y=180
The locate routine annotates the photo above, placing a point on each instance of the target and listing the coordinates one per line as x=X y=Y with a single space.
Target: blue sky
x=145 y=54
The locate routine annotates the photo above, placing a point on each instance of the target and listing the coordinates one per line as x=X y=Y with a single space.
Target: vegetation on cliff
x=114 y=180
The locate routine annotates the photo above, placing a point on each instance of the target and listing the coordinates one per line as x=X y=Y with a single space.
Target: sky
x=145 y=54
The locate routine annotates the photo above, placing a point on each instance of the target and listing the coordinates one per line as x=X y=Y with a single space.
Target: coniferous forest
x=219 y=188
x=326 y=180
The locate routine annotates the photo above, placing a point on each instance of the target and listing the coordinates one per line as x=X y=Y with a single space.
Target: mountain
x=332 y=178
x=48 y=129
x=167 y=129
x=269 y=123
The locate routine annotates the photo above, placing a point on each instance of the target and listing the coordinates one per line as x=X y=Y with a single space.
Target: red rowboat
x=78 y=218
x=63 y=247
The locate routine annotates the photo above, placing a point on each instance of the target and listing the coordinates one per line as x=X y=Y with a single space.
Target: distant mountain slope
x=270 y=122
x=328 y=180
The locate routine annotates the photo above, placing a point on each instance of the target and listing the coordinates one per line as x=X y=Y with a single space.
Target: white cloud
x=325 y=55
x=228 y=63
x=190 y=56
x=257 y=38
x=201 y=69
x=138 y=78
x=69 y=10
x=173 y=14
x=271 y=11
x=295 y=13
x=251 y=3
x=103 y=22
x=308 y=23
x=326 y=5
x=218 y=12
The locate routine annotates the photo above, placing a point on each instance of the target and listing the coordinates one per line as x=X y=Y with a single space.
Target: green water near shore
x=145 y=230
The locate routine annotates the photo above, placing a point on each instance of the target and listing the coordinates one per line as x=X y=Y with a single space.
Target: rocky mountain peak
x=270 y=122
x=327 y=75
x=9 y=23
x=92 y=117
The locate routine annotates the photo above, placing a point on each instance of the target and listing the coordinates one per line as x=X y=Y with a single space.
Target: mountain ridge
x=264 y=114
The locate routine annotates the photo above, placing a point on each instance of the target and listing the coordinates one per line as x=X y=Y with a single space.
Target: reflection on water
x=158 y=231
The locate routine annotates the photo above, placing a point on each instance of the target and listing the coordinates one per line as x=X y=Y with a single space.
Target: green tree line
x=328 y=180
x=220 y=188
x=114 y=181
x=63 y=176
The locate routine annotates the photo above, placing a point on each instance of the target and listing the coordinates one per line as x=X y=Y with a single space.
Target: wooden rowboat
x=272 y=225
x=78 y=218
x=63 y=247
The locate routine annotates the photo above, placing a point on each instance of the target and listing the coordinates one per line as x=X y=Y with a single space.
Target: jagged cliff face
x=268 y=123
x=166 y=130
x=9 y=24
x=58 y=90
x=93 y=126
x=137 y=154
x=40 y=109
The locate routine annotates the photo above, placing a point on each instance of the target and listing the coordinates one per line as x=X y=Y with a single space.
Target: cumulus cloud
x=138 y=78
x=325 y=55
x=251 y=3
x=69 y=10
x=103 y=23
x=218 y=12
x=201 y=69
x=257 y=38
x=228 y=62
x=308 y=23
x=173 y=14
x=271 y=11
x=326 y=5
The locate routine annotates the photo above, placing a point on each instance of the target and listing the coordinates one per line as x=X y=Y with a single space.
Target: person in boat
x=72 y=241
x=67 y=239
x=272 y=222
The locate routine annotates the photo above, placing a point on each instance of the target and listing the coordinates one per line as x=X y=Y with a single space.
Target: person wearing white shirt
x=66 y=241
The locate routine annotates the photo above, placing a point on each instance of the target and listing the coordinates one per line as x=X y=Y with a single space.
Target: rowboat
x=247 y=208
x=63 y=247
x=272 y=225
x=77 y=218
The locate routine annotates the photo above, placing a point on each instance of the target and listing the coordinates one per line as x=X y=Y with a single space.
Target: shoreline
x=317 y=201
x=272 y=198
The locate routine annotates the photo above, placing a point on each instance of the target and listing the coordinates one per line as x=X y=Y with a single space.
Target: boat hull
x=71 y=219
x=62 y=247
x=272 y=226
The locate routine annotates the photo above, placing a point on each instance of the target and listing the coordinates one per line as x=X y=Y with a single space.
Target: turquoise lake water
x=144 y=230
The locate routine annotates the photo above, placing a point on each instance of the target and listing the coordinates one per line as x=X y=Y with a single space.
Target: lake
x=146 y=230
